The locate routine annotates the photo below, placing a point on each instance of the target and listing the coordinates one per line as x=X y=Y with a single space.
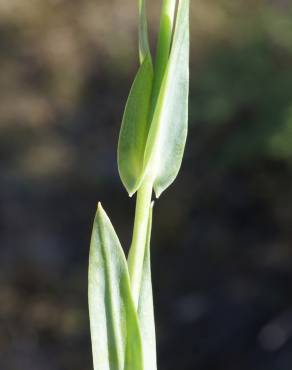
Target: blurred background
x=222 y=237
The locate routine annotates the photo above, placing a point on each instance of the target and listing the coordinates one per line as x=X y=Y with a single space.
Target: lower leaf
x=115 y=332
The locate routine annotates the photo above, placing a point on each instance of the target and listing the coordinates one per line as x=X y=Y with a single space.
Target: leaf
x=168 y=131
x=115 y=333
x=134 y=129
x=144 y=49
x=145 y=307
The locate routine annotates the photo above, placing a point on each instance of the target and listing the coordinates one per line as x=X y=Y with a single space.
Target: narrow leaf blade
x=134 y=129
x=168 y=132
x=145 y=307
x=115 y=332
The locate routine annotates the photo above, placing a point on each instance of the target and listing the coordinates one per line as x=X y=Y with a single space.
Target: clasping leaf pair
x=154 y=126
x=122 y=336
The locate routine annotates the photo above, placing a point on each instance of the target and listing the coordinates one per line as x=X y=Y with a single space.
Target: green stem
x=163 y=45
x=137 y=250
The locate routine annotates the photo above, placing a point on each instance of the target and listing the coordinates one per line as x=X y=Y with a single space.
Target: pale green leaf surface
x=115 y=333
x=134 y=129
x=168 y=131
x=144 y=49
x=145 y=307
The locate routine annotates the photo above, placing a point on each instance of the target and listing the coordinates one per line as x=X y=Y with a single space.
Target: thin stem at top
x=163 y=46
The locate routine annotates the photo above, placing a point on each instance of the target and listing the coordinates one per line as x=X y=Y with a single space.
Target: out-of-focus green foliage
x=243 y=94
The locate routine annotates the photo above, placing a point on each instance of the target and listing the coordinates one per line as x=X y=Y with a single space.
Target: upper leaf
x=154 y=127
x=168 y=130
x=134 y=129
x=115 y=333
